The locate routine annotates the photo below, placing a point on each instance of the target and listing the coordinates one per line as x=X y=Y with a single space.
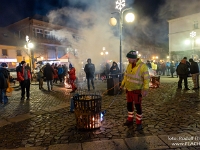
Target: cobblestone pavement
x=170 y=121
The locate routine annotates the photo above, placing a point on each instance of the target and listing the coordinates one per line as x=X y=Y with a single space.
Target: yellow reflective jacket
x=136 y=78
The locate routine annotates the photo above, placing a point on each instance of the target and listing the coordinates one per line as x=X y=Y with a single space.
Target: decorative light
x=120 y=4
x=192 y=34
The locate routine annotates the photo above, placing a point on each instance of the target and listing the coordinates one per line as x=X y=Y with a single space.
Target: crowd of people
x=163 y=68
x=135 y=80
x=182 y=69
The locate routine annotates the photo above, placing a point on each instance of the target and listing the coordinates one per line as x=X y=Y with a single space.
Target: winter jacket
x=60 y=70
x=136 y=78
x=194 y=68
x=72 y=73
x=48 y=72
x=89 y=70
x=20 y=74
x=4 y=75
x=172 y=67
x=182 y=68
x=114 y=70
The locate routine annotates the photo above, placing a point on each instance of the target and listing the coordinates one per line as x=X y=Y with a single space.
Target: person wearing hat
x=24 y=76
x=89 y=71
x=4 y=76
x=72 y=77
x=136 y=82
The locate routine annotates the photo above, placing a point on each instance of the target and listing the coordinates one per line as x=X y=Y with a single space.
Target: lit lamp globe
x=113 y=21
x=130 y=17
x=30 y=45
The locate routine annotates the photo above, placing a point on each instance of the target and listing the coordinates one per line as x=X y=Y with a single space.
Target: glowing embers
x=67 y=83
x=87 y=111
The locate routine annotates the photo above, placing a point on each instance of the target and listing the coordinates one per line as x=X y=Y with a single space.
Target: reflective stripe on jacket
x=136 y=78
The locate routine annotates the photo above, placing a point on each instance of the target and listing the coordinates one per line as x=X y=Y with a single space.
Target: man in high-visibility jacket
x=136 y=82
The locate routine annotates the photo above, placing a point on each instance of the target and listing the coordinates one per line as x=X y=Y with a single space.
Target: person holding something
x=136 y=82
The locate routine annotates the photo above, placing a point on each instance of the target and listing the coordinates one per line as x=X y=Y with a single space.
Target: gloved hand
x=120 y=90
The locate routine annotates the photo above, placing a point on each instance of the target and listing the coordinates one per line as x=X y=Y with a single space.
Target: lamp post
x=193 y=35
x=29 y=46
x=104 y=53
x=120 y=4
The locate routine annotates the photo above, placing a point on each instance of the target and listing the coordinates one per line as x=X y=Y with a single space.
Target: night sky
x=151 y=15
x=15 y=10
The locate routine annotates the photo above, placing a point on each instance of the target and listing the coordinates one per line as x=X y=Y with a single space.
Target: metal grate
x=87 y=111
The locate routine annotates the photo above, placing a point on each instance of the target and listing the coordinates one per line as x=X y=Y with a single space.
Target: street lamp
x=104 y=53
x=192 y=35
x=120 y=4
x=29 y=46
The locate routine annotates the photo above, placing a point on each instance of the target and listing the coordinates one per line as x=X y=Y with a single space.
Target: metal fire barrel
x=87 y=109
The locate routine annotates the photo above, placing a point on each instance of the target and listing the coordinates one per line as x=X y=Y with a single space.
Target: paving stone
x=117 y=144
x=71 y=146
x=147 y=142
x=4 y=122
x=46 y=119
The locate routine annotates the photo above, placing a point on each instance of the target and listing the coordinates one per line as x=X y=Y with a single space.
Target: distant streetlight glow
x=104 y=53
x=30 y=45
x=193 y=35
x=197 y=41
x=187 y=42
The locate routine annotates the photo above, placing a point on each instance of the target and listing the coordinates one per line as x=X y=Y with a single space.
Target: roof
x=68 y=56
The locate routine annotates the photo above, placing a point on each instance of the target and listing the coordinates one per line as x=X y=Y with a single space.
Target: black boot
x=128 y=123
x=139 y=127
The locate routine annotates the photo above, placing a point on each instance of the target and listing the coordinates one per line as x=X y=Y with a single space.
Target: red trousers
x=72 y=84
x=134 y=98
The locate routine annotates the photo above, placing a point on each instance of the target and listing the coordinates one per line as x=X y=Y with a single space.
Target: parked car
x=13 y=72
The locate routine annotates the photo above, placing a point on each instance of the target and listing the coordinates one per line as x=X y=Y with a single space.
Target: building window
x=47 y=34
x=4 y=52
x=19 y=53
x=196 y=25
x=39 y=33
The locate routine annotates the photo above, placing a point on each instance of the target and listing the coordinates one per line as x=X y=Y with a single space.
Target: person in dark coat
x=65 y=71
x=194 y=70
x=172 y=68
x=4 y=76
x=48 y=74
x=89 y=71
x=148 y=64
x=114 y=70
x=188 y=65
x=182 y=71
